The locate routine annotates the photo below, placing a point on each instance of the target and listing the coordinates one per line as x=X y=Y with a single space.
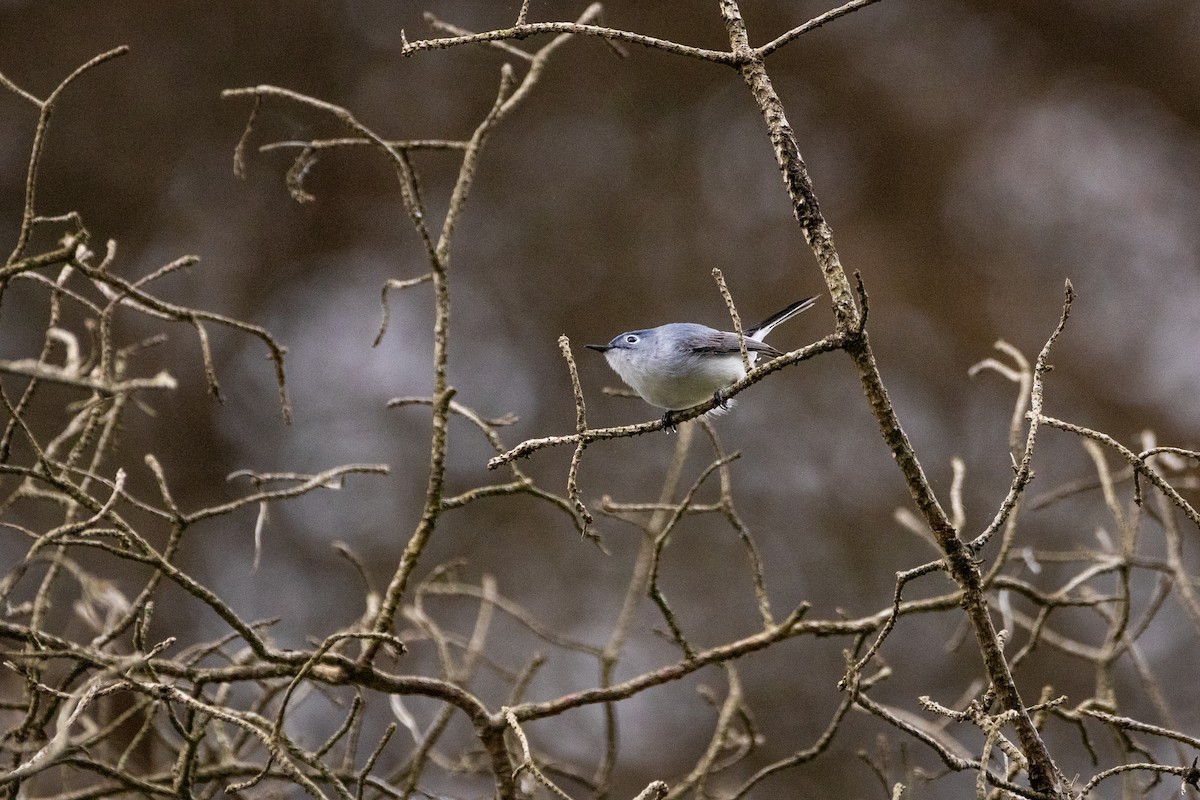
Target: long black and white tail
x=760 y=331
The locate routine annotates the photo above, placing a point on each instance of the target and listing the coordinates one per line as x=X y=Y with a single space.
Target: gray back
x=690 y=337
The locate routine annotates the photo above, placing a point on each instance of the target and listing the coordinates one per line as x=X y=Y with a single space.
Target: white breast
x=677 y=383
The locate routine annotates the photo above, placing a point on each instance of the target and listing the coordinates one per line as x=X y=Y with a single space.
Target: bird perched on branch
x=683 y=364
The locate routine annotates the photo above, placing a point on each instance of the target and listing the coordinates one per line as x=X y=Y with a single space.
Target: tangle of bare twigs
x=81 y=711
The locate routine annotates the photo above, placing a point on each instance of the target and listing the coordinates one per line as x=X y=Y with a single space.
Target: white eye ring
x=631 y=339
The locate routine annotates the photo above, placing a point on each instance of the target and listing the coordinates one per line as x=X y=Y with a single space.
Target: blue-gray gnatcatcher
x=683 y=364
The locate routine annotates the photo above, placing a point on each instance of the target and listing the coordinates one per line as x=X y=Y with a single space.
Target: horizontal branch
x=791 y=627
x=324 y=480
x=32 y=368
x=361 y=141
x=1130 y=724
x=1137 y=462
x=525 y=30
x=519 y=32
x=784 y=630
x=524 y=449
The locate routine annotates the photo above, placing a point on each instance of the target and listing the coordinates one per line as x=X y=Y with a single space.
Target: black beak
x=599 y=348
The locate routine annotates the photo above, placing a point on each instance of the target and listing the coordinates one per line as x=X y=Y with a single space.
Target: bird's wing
x=702 y=339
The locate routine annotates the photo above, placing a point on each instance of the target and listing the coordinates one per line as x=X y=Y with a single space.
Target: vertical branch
x=735 y=521
x=585 y=516
x=45 y=109
x=959 y=561
x=1116 y=639
x=733 y=704
x=795 y=173
x=442 y=394
x=15 y=413
x=507 y=98
x=719 y=277
x=660 y=543
x=1029 y=396
x=638 y=585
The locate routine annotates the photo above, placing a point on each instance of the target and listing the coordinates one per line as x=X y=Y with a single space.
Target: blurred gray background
x=969 y=155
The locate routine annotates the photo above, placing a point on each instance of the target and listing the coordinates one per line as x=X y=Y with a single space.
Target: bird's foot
x=668 y=422
x=721 y=401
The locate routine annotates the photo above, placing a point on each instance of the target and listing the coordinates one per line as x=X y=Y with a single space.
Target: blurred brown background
x=969 y=156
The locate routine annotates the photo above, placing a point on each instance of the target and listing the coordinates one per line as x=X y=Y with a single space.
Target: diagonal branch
x=958 y=557
x=519 y=32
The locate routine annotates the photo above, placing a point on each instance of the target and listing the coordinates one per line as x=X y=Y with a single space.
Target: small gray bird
x=683 y=364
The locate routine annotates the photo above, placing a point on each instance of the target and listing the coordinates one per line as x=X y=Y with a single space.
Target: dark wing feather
x=717 y=342
x=761 y=330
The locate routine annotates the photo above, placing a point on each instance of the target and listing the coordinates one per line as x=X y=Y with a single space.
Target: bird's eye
x=631 y=339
